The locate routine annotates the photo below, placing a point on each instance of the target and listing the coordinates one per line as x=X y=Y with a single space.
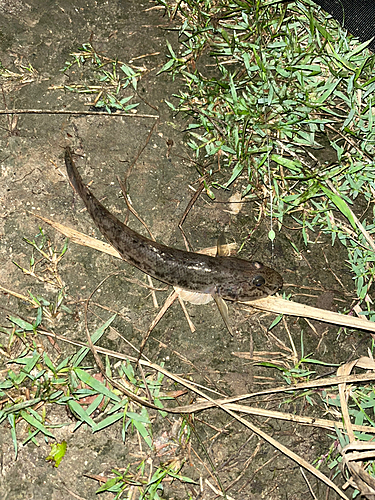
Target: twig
x=187 y=210
x=69 y=112
x=142 y=148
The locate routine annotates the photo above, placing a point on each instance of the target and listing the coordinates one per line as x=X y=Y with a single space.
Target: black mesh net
x=357 y=16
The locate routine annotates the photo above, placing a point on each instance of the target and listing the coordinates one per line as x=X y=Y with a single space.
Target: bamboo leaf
x=340 y=204
x=95 y=384
x=36 y=423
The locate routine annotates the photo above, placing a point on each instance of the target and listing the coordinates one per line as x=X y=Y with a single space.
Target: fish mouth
x=280 y=285
x=279 y=282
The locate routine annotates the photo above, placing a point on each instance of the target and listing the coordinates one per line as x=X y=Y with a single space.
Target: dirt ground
x=33 y=180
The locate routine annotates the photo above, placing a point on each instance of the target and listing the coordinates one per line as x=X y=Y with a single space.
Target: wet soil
x=43 y=34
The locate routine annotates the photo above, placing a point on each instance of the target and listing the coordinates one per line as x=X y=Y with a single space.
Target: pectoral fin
x=223 y=309
x=223 y=249
x=204 y=298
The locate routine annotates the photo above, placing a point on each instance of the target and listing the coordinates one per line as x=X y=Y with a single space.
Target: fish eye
x=258 y=281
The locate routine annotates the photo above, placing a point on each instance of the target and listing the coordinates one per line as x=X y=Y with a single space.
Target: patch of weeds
x=104 y=77
x=351 y=408
x=351 y=453
x=34 y=381
x=361 y=408
x=37 y=380
x=11 y=80
x=47 y=260
x=291 y=375
x=43 y=266
x=149 y=488
x=285 y=76
x=294 y=371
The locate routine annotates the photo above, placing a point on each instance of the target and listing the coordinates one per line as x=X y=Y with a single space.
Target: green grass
x=34 y=381
x=91 y=402
x=106 y=78
x=287 y=79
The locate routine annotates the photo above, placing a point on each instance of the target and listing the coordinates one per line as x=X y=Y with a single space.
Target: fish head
x=254 y=281
x=262 y=282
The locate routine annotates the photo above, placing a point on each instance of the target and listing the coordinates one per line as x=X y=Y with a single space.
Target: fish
x=222 y=277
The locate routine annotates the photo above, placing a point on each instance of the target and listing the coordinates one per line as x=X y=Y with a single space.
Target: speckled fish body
x=227 y=277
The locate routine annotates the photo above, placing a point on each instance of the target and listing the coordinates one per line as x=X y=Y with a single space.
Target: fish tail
x=74 y=177
x=98 y=212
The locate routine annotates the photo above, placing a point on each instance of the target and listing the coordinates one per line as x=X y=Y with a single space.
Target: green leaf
x=57 y=453
x=225 y=35
x=184 y=479
x=236 y=172
x=233 y=90
x=143 y=431
x=28 y=327
x=340 y=204
x=48 y=362
x=29 y=363
x=136 y=417
x=82 y=353
x=12 y=423
x=108 y=421
x=275 y=322
x=80 y=413
x=285 y=162
x=6 y=384
x=110 y=485
x=39 y=317
x=171 y=49
x=360 y=48
x=330 y=87
x=21 y=406
x=326 y=34
x=95 y=384
x=36 y=423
